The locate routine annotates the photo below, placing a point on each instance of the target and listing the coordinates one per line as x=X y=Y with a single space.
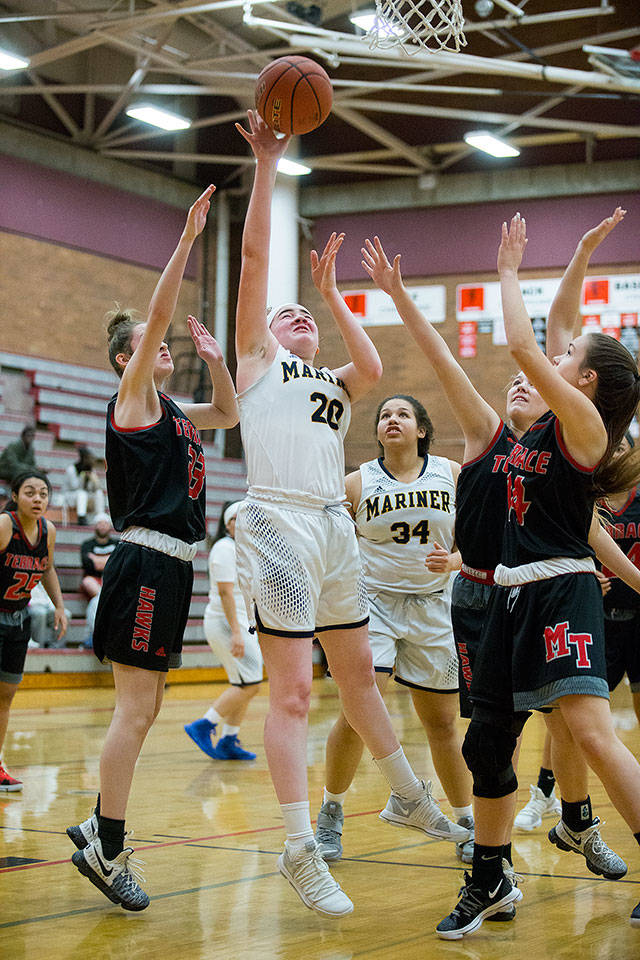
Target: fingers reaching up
x=512 y=244
x=261 y=138
x=374 y=260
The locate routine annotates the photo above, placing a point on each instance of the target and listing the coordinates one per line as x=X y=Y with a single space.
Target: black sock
x=546 y=781
x=111 y=833
x=487 y=866
x=506 y=853
x=637 y=836
x=97 y=809
x=577 y=816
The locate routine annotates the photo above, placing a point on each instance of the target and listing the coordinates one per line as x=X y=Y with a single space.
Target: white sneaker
x=538 y=807
x=119 y=879
x=309 y=876
x=424 y=814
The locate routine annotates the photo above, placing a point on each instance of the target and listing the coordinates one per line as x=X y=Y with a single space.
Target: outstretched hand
x=374 y=260
x=512 y=244
x=594 y=237
x=197 y=216
x=323 y=269
x=261 y=138
x=206 y=346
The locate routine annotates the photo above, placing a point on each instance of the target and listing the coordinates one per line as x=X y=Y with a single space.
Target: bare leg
x=493 y=819
x=344 y=749
x=138 y=699
x=635 y=697
x=233 y=703
x=290 y=671
x=438 y=714
x=589 y=720
x=569 y=766
x=7 y=693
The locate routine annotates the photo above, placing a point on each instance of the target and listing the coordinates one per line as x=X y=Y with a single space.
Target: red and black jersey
x=549 y=498
x=624 y=526
x=22 y=565
x=156 y=474
x=481 y=503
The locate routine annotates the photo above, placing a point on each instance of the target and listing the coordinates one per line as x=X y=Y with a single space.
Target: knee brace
x=488 y=752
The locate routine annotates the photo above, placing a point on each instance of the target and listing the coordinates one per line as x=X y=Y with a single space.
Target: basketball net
x=411 y=24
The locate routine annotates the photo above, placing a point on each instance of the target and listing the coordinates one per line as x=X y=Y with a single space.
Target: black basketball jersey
x=481 y=502
x=22 y=565
x=624 y=526
x=549 y=498
x=156 y=474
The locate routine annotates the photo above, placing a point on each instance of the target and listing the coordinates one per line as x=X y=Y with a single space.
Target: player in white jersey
x=227 y=631
x=404 y=508
x=298 y=559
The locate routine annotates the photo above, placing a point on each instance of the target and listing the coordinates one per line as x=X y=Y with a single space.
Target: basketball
x=293 y=95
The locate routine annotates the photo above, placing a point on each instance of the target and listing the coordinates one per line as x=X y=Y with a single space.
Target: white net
x=411 y=24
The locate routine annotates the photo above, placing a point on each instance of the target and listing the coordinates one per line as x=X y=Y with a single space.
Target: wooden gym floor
x=210 y=833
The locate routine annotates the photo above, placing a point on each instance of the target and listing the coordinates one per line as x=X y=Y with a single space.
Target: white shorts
x=411 y=634
x=241 y=672
x=299 y=568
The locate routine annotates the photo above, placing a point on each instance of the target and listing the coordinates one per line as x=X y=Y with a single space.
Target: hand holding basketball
x=294 y=95
x=262 y=138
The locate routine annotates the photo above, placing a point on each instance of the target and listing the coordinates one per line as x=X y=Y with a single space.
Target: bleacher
x=68 y=402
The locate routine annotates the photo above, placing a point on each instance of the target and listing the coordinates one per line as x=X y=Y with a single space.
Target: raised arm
x=563 y=322
x=255 y=344
x=137 y=379
x=583 y=430
x=365 y=368
x=222 y=411
x=477 y=419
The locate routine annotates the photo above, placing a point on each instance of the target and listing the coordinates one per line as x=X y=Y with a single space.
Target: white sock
x=328 y=797
x=229 y=731
x=402 y=780
x=212 y=716
x=297 y=824
x=460 y=812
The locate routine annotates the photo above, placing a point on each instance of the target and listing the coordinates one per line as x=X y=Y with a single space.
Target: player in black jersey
x=621 y=515
x=26 y=557
x=156 y=487
x=544 y=642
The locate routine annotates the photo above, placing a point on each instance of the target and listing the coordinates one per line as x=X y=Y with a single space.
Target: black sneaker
x=634 y=919
x=474 y=906
x=117 y=878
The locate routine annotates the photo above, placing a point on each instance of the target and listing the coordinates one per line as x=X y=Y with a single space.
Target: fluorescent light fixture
x=368 y=20
x=158 y=117
x=9 y=61
x=483 y=140
x=292 y=169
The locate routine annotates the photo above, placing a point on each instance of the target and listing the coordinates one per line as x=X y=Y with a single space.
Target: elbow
x=374 y=374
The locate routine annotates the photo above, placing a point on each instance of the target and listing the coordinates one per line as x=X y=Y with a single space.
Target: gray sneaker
x=117 y=878
x=600 y=859
x=84 y=832
x=464 y=848
x=423 y=814
x=329 y=830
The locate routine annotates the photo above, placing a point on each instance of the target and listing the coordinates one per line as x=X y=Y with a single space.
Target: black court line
x=159 y=896
x=457 y=867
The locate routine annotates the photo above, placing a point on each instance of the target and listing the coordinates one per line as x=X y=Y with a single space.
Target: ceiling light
x=292 y=169
x=483 y=140
x=9 y=61
x=158 y=117
x=368 y=20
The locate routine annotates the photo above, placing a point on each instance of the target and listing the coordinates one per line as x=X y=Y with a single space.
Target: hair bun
x=116 y=317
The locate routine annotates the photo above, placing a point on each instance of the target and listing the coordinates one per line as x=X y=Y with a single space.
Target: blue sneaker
x=201 y=732
x=228 y=748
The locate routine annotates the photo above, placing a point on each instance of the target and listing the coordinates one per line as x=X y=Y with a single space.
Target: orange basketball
x=293 y=95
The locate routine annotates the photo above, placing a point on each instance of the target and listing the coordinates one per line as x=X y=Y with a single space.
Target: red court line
x=176 y=843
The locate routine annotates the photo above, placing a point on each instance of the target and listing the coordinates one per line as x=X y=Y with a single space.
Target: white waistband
x=542 y=570
x=161 y=542
x=293 y=499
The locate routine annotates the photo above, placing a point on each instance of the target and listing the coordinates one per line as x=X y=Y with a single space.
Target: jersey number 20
x=327 y=411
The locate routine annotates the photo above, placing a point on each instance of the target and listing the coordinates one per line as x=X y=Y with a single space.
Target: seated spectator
x=94 y=554
x=81 y=486
x=42 y=613
x=18 y=456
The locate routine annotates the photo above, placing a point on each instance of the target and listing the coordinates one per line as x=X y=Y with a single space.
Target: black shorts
x=542 y=641
x=622 y=647
x=143 y=608
x=15 y=630
x=469 y=602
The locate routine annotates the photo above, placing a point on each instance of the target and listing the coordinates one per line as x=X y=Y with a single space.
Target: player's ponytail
x=120 y=327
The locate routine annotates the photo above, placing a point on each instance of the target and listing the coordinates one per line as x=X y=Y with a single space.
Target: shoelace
x=326 y=835
x=133 y=872
x=315 y=872
x=427 y=809
x=597 y=843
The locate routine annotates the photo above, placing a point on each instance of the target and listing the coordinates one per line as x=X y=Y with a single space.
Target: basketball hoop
x=411 y=24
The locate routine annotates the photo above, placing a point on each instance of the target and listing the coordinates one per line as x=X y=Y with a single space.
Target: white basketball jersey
x=399 y=522
x=222 y=569
x=293 y=422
